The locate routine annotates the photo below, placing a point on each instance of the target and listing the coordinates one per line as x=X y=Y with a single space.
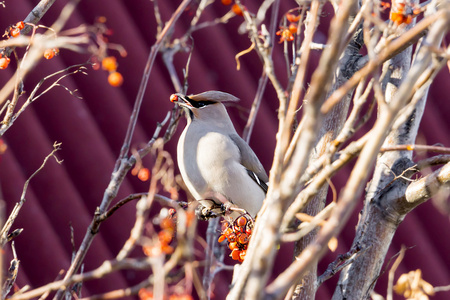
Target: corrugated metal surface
x=92 y=130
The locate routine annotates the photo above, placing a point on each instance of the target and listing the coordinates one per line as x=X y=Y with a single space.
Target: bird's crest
x=215 y=96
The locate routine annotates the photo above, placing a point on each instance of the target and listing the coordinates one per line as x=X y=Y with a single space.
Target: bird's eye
x=201 y=104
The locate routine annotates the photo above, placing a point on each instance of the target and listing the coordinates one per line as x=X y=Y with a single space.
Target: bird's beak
x=180 y=100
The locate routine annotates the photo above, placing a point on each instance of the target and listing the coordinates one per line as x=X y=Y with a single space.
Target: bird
x=216 y=164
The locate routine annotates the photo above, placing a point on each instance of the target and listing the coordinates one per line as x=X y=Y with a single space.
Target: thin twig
x=15 y=212
x=339 y=263
x=394 y=267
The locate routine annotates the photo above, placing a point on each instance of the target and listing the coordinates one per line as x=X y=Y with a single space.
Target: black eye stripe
x=199 y=104
x=202 y=103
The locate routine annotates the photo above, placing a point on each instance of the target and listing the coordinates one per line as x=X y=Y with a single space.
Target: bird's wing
x=251 y=162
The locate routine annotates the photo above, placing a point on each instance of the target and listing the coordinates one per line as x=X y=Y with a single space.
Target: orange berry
x=235 y=254
x=165 y=236
x=115 y=79
x=167 y=223
x=109 y=63
x=145 y=294
x=232 y=246
x=226 y=2
x=49 y=53
x=20 y=25
x=241 y=221
x=166 y=249
x=292 y=18
x=237 y=10
x=242 y=254
x=14 y=32
x=242 y=238
x=173 y=98
x=4 y=62
x=293 y=28
x=231 y=237
x=144 y=173
x=285 y=33
x=227 y=231
x=221 y=238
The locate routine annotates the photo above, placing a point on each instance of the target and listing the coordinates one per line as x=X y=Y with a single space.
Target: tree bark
x=381 y=216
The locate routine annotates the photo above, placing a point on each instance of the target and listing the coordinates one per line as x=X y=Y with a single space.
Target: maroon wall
x=92 y=130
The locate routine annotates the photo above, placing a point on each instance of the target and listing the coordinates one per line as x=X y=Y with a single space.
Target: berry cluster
x=142 y=173
x=165 y=237
x=287 y=33
x=402 y=11
x=237 y=235
x=110 y=64
x=101 y=58
x=14 y=30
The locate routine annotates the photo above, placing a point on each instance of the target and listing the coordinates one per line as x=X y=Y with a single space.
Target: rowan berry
x=144 y=173
x=285 y=34
x=115 y=79
x=4 y=62
x=292 y=18
x=237 y=10
x=165 y=236
x=226 y=2
x=20 y=25
x=241 y=221
x=232 y=246
x=231 y=237
x=109 y=63
x=293 y=28
x=242 y=254
x=145 y=294
x=235 y=254
x=167 y=223
x=49 y=53
x=14 y=32
x=242 y=238
x=167 y=249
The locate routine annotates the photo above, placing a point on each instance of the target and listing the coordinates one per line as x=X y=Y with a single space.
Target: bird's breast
x=204 y=158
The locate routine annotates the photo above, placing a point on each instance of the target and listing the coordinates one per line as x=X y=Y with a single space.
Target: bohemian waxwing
x=216 y=164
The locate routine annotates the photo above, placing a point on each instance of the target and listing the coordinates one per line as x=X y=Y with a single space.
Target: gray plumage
x=213 y=159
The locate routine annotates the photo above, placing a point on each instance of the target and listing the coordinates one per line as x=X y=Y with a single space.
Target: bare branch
x=15 y=212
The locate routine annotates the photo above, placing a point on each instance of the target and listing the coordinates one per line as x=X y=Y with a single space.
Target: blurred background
x=92 y=129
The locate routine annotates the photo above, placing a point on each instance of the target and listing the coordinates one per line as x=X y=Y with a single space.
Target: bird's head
x=204 y=106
